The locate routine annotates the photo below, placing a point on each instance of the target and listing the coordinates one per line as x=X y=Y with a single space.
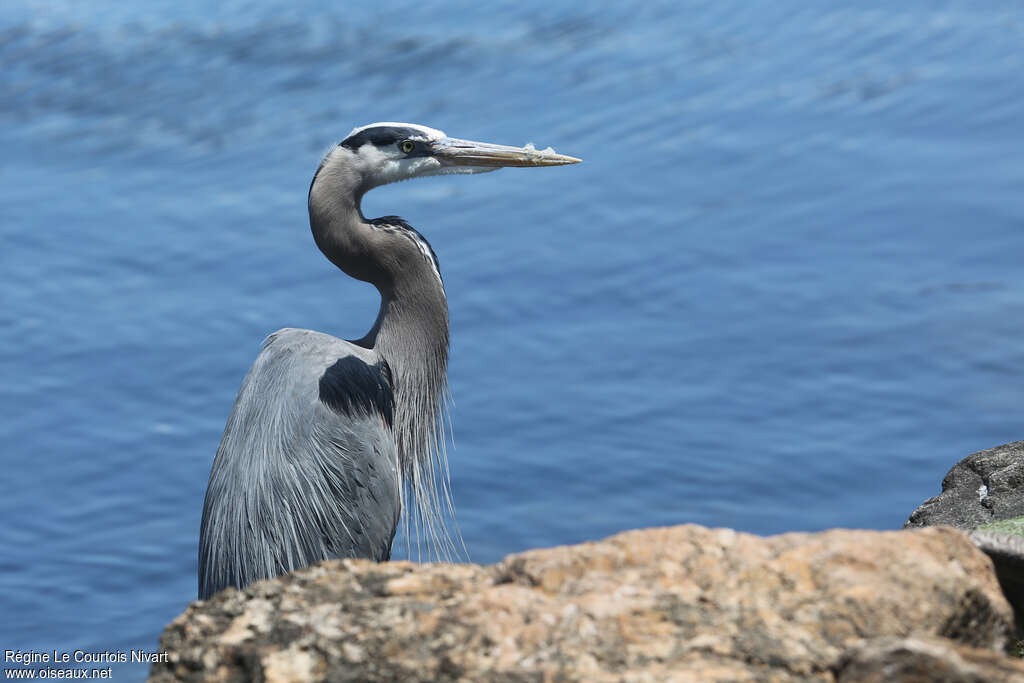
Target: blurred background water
x=783 y=292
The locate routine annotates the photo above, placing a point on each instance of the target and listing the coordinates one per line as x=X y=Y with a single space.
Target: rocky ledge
x=682 y=603
x=984 y=487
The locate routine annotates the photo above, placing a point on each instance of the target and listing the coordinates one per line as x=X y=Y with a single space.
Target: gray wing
x=307 y=468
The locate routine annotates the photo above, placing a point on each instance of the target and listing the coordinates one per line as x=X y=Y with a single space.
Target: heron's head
x=382 y=153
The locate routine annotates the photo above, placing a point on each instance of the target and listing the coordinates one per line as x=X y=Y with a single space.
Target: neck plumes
x=410 y=334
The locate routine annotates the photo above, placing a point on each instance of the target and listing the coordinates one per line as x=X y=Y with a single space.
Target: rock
x=925 y=660
x=1007 y=555
x=1005 y=527
x=986 y=489
x=983 y=487
x=686 y=603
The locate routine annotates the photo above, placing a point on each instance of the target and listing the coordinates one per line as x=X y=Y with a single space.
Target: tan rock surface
x=925 y=660
x=680 y=603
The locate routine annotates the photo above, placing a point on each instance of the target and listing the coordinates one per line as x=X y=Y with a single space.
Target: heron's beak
x=455 y=152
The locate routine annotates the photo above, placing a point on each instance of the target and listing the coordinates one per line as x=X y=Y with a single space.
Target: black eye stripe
x=380 y=136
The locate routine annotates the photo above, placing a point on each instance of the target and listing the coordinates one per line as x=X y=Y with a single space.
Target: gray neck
x=411 y=330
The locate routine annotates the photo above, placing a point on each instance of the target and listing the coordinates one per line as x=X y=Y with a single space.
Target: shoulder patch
x=352 y=387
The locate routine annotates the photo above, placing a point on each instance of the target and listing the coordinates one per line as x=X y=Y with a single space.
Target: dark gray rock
x=986 y=487
x=983 y=487
x=1007 y=555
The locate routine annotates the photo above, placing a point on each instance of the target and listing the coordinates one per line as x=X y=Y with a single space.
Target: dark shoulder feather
x=352 y=387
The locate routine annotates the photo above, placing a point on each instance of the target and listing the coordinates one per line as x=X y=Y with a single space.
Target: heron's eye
x=408 y=146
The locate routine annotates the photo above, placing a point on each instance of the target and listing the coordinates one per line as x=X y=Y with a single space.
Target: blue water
x=783 y=291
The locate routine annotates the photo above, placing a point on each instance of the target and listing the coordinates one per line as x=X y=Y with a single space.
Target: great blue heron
x=327 y=437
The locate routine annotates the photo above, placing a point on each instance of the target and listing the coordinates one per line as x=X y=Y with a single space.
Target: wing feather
x=307 y=468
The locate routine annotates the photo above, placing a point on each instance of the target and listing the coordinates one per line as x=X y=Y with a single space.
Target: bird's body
x=340 y=457
x=327 y=436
